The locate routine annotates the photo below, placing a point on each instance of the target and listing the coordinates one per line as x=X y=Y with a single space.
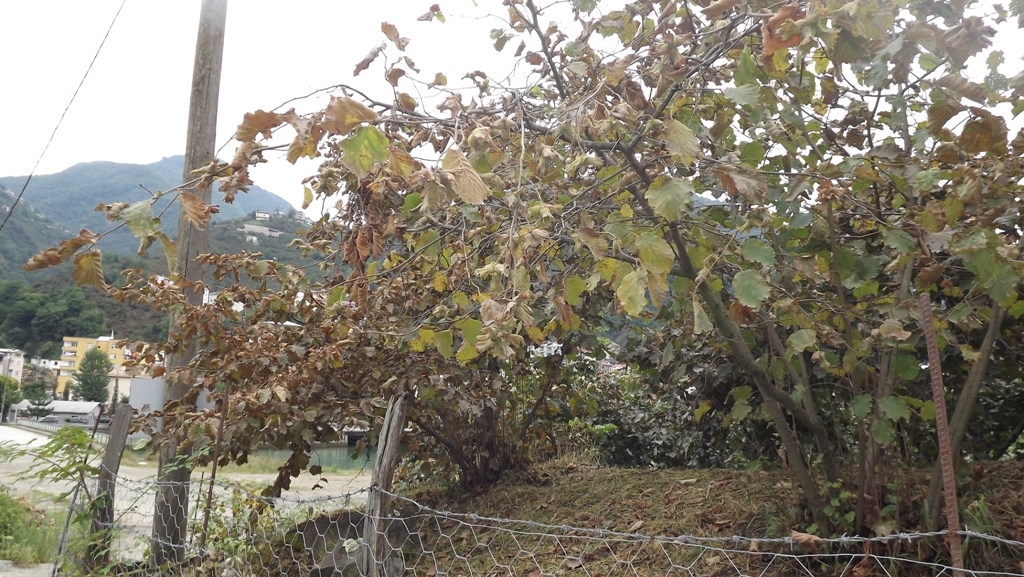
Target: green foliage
x=36 y=321
x=27 y=535
x=91 y=380
x=851 y=173
x=10 y=391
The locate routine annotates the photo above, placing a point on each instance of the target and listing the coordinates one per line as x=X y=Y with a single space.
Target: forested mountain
x=26 y=233
x=69 y=197
x=37 y=309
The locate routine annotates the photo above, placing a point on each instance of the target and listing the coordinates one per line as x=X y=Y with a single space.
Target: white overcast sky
x=134 y=104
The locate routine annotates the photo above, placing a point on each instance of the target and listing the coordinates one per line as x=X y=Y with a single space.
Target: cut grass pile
x=602 y=521
x=28 y=534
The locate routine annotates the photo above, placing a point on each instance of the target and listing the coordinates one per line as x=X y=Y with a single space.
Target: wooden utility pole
x=171 y=512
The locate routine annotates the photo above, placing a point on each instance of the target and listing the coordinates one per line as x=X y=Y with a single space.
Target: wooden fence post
x=372 y=556
x=103 y=507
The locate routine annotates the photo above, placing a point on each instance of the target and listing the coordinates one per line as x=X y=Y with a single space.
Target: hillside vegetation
x=27 y=232
x=69 y=197
x=36 y=313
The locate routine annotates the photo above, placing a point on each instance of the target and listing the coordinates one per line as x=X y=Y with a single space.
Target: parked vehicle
x=76 y=420
x=48 y=419
x=104 y=419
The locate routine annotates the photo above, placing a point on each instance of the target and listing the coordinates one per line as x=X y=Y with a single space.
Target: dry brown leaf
x=635 y=526
x=771 y=41
x=343 y=114
x=259 y=122
x=367 y=60
x=391 y=32
x=195 y=210
x=963 y=87
x=805 y=538
x=716 y=9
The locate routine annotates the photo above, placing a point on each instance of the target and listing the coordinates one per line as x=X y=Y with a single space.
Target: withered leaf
x=343 y=114
x=771 y=39
x=259 y=122
x=89 y=269
x=367 y=60
x=391 y=32
x=714 y=10
x=195 y=210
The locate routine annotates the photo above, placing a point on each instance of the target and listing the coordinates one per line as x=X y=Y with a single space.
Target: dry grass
x=665 y=504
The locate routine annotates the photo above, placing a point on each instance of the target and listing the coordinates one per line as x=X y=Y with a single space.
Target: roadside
x=302 y=487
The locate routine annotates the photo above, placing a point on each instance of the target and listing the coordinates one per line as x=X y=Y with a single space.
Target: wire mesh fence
x=242 y=532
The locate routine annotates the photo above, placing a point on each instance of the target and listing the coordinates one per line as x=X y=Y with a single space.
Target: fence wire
x=245 y=533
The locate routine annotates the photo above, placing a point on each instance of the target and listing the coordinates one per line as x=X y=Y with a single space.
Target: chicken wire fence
x=242 y=532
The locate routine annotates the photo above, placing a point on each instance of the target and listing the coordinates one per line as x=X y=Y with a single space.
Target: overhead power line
x=63 y=114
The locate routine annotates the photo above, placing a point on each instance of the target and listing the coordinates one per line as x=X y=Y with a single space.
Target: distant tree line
x=36 y=322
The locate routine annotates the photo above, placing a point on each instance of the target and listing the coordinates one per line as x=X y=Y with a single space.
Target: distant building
x=87 y=410
x=262 y=215
x=52 y=364
x=254 y=229
x=74 y=350
x=252 y=239
x=301 y=217
x=12 y=363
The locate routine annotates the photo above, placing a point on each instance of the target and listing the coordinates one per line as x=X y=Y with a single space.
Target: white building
x=63 y=410
x=262 y=215
x=12 y=363
x=52 y=364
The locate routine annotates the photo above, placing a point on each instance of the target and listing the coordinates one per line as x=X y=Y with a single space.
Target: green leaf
x=443 y=342
x=139 y=218
x=362 y=150
x=681 y=142
x=632 y=292
x=802 y=340
x=140 y=444
x=670 y=197
x=883 y=431
x=655 y=253
x=469 y=328
x=928 y=411
x=750 y=288
x=574 y=286
x=895 y=408
x=413 y=200
x=898 y=240
x=702 y=410
x=743 y=95
x=701 y=321
x=861 y=406
x=757 y=251
x=907 y=366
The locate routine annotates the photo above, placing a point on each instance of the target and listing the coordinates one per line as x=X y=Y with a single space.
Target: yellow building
x=74 y=350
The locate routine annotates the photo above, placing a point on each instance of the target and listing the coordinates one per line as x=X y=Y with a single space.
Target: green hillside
x=26 y=233
x=69 y=197
x=38 y=308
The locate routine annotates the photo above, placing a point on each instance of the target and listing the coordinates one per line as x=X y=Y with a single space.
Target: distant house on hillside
x=12 y=363
x=301 y=217
x=253 y=229
x=252 y=239
x=262 y=215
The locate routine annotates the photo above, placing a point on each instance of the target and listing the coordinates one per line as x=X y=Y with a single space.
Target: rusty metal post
x=942 y=428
